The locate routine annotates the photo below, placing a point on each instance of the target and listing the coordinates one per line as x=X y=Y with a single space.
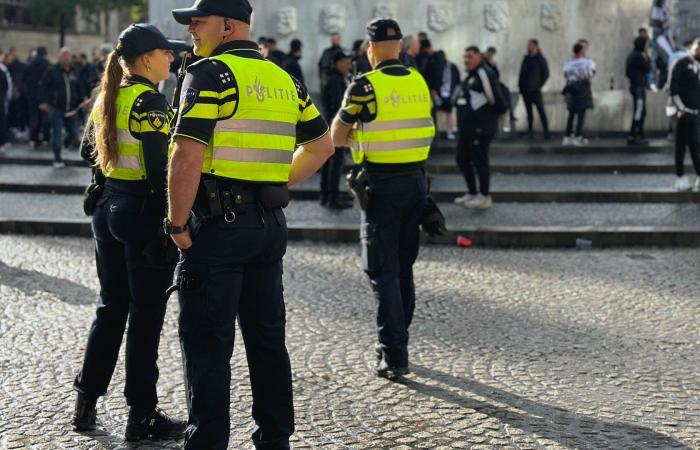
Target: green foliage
x=49 y=11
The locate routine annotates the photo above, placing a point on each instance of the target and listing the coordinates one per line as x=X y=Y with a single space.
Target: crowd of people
x=41 y=99
x=37 y=107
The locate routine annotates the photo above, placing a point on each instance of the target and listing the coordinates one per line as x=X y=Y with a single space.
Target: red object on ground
x=464 y=242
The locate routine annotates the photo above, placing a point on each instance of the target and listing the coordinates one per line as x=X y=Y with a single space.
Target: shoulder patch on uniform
x=188 y=100
x=157 y=119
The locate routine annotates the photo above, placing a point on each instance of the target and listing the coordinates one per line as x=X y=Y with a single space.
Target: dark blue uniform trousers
x=236 y=272
x=390 y=240
x=123 y=226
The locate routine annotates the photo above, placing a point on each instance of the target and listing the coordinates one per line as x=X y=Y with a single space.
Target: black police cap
x=140 y=38
x=383 y=29
x=232 y=9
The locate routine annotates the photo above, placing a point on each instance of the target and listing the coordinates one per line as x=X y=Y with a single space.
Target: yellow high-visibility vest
x=255 y=136
x=129 y=165
x=403 y=130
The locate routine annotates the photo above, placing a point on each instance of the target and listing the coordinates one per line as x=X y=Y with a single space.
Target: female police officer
x=129 y=137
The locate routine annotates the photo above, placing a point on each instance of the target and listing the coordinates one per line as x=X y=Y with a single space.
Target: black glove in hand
x=432 y=220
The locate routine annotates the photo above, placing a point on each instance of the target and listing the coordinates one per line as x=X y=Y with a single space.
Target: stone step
x=506 y=224
x=554 y=146
x=543 y=164
x=22 y=154
x=573 y=188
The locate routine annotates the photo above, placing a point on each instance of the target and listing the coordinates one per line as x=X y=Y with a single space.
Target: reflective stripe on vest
x=403 y=130
x=258 y=142
x=129 y=165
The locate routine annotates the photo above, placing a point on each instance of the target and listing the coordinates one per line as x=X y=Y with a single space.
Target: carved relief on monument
x=551 y=16
x=287 y=22
x=440 y=16
x=386 y=9
x=606 y=11
x=333 y=18
x=497 y=16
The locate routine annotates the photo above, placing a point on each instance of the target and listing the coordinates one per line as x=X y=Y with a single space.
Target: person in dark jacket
x=18 y=103
x=360 y=63
x=38 y=120
x=332 y=99
x=431 y=66
x=534 y=73
x=274 y=54
x=409 y=50
x=291 y=64
x=479 y=103
x=87 y=81
x=325 y=63
x=685 y=94
x=5 y=97
x=60 y=97
x=637 y=69
x=449 y=82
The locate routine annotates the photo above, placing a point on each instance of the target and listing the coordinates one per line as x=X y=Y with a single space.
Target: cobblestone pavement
x=511 y=349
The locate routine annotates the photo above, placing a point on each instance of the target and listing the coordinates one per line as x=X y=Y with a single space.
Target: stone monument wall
x=609 y=25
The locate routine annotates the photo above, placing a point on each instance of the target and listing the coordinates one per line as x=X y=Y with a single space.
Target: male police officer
x=386 y=116
x=240 y=119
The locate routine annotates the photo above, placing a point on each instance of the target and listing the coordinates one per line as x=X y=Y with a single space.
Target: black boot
x=85 y=414
x=152 y=424
x=392 y=373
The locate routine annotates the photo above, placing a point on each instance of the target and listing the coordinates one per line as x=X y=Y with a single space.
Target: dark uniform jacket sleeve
x=209 y=93
x=359 y=104
x=311 y=126
x=154 y=133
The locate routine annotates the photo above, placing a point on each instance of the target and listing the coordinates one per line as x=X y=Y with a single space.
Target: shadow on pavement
x=30 y=282
x=550 y=422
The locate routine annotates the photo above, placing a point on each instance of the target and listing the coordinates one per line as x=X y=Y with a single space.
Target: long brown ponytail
x=106 y=148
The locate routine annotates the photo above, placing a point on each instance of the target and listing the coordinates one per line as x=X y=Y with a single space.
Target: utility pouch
x=273 y=196
x=90 y=198
x=211 y=190
x=359 y=186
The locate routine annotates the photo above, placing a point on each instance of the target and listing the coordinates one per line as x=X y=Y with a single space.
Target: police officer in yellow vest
x=386 y=120
x=127 y=142
x=246 y=132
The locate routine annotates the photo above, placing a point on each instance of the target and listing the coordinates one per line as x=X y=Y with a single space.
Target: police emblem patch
x=189 y=97
x=157 y=119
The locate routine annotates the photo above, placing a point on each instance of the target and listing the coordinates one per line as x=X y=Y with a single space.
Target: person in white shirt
x=578 y=71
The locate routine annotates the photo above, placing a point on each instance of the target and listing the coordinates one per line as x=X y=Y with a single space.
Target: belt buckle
x=230 y=217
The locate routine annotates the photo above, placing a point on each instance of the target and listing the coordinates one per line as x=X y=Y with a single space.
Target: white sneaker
x=451 y=136
x=59 y=165
x=683 y=184
x=567 y=141
x=479 y=202
x=579 y=141
x=465 y=198
x=696 y=186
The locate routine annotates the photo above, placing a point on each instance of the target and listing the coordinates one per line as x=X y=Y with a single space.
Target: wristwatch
x=169 y=228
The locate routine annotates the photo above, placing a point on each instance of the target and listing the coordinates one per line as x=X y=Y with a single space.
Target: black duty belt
x=137 y=187
x=217 y=199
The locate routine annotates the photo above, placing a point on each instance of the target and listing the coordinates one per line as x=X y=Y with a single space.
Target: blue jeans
x=58 y=123
x=390 y=240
